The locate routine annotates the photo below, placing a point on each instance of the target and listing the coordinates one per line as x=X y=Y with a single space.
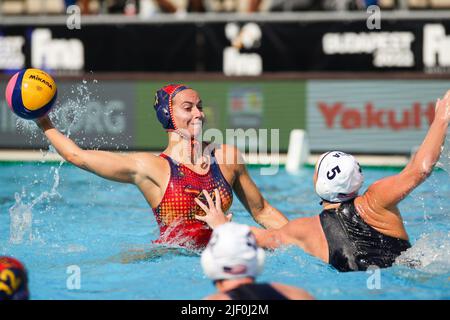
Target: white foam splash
x=21 y=216
x=175 y=238
x=70 y=114
x=67 y=116
x=75 y=248
x=20 y=220
x=444 y=160
x=431 y=254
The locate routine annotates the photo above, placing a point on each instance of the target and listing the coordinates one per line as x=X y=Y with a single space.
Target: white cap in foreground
x=232 y=253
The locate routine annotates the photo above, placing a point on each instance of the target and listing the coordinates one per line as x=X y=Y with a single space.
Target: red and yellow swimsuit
x=176 y=211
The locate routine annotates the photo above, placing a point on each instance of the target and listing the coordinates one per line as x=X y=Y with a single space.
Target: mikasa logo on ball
x=41 y=80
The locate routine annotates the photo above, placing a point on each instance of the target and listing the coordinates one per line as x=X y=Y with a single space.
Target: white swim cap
x=339 y=177
x=232 y=253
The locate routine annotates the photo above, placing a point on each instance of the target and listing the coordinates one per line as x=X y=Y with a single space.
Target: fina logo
x=57 y=54
x=436 y=48
x=236 y=63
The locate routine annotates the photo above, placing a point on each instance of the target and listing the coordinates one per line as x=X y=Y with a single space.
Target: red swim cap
x=13 y=280
x=163 y=104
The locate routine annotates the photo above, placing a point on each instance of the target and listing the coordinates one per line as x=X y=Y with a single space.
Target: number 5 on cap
x=333 y=173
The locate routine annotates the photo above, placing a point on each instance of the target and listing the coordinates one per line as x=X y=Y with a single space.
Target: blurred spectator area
x=32 y=7
x=414 y=4
x=131 y=7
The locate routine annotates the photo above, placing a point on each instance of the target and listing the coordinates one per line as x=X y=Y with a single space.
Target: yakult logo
x=436 y=46
x=347 y=118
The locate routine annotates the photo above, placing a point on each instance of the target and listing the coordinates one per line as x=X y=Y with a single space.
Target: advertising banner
x=362 y=116
x=371 y=116
x=94 y=116
x=256 y=108
x=232 y=48
x=99 y=48
x=119 y=115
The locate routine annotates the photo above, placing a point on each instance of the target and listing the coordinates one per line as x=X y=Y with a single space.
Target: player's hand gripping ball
x=31 y=93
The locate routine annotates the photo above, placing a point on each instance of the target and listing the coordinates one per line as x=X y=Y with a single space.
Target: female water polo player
x=354 y=232
x=232 y=260
x=171 y=181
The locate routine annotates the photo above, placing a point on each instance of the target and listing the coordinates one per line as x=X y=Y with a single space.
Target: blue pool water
x=59 y=220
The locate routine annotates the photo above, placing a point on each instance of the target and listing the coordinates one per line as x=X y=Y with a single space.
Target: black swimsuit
x=353 y=244
x=255 y=291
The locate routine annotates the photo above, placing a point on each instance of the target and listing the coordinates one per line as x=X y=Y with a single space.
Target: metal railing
x=312 y=16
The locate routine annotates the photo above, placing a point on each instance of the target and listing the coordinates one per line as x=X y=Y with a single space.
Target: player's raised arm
x=109 y=165
x=388 y=192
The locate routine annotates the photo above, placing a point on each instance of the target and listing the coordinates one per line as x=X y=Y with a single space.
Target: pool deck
x=252 y=159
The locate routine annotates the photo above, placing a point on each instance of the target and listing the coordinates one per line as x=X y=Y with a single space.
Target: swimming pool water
x=60 y=220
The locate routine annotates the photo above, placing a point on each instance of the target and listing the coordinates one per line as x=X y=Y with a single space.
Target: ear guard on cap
x=163 y=104
x=162 y=112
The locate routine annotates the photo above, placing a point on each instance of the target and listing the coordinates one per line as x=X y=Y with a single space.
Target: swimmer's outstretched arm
x=250 y=196
x=109 y=165
x=388 y=192
x=215 y=217
x=252 y=199
x=296 y=232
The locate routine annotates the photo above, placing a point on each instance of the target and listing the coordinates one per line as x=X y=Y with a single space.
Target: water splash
x=69 y=115
x=20 y=220
x=81 y=115
x=28 y=128
x=21 y=217
x=444 y=160
x=175 y=237
x=431 y=254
